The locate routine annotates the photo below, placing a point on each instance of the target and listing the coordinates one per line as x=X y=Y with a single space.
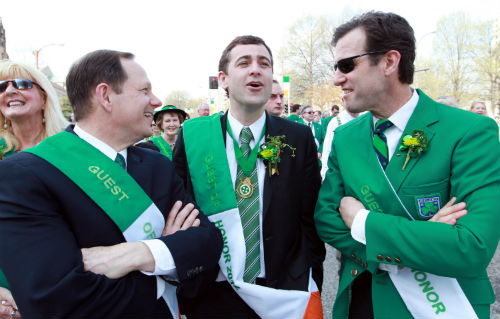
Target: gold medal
x=245 y=188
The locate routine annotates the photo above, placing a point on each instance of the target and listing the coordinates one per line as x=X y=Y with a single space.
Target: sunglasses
x=347 y=65
x=20 y=84
x=310 y=112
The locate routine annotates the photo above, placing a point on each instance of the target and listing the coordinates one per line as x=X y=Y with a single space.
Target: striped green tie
x=121 y=161
x=380 y=141
x=249 y=214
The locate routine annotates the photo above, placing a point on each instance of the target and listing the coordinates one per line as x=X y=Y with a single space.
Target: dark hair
x=335 y=107
x=295 y=107
x=101 y=66
x=241 y=40
x=384 y=32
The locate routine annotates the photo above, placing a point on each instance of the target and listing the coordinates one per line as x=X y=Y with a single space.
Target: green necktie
x=380 y=141
x=247 y=196
x=121 y=161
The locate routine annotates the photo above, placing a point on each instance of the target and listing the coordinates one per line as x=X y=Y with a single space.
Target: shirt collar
x=256 y=127
x=401 y=117
x=100 y=145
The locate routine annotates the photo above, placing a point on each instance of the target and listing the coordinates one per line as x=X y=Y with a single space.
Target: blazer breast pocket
x=425 y=200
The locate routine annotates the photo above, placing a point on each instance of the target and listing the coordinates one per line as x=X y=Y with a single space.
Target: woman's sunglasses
x=347 y=65
x=20 y=84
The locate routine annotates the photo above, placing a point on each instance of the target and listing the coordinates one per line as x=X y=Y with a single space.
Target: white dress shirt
x=256 y=129
x=343 y=117
x=393 y=134
x=164 y=262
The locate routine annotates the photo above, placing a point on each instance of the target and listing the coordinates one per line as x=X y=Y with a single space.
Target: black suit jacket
x=291 y=244
x=45 y=219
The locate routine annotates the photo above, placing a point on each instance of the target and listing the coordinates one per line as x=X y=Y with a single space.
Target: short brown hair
x=241 y=40
x=384 y=32
x=159 y=119
x=101 y=66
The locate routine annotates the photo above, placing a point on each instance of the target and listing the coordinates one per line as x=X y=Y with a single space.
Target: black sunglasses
x=20 y=84
x=347 y=65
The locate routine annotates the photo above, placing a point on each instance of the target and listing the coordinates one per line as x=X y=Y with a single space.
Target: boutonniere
x=270 y=152
x=413 y=145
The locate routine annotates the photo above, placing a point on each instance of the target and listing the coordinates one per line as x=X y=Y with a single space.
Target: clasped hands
x=8 y=307
x=448 y=214
x=118 y=260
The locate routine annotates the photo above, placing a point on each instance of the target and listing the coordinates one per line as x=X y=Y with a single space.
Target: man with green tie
x=394 y=173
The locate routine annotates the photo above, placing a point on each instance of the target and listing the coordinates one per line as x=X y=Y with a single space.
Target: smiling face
x=249 y=77
x=363 y=88
x=170 y=123
x=133 y=107
x=18 y=105
x=479 y=108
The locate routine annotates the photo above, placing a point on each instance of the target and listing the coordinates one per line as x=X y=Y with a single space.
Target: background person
x=169 y=120
x=478 y=107
x=274 y=105
x=203 y=109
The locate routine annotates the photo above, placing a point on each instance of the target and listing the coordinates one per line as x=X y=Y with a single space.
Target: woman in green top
x=169 y=120
x=29 y=112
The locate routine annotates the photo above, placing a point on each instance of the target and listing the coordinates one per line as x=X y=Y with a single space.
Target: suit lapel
x=423 y=118
x=141 y=172
x=272 y=129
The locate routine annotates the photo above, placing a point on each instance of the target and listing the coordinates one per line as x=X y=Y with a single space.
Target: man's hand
x=8 y=307
x=117 y=261
x=449 y=213
x=349 y=208
x=181 y=219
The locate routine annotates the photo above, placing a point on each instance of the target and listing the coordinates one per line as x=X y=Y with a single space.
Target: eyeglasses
x=310 y=112
x=347 y=65
x=20 y=84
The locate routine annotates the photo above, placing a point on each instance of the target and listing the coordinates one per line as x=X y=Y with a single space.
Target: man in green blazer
x=387 y=210
x=295 y=110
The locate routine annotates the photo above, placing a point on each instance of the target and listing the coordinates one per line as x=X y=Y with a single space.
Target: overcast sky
x=179 y=42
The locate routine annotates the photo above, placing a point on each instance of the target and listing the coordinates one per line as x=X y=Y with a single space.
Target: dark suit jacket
x=291 y=244
x=45 y=219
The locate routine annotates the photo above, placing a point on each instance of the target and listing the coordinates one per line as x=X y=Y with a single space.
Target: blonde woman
x=29 y=108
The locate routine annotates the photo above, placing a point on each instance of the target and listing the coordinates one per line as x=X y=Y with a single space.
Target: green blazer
x=293 y=117
x=463 y=160
x=324 y=124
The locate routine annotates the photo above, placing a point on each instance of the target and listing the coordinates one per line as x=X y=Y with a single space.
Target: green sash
x=103 y=180
x=164 y=147
x=210 y=175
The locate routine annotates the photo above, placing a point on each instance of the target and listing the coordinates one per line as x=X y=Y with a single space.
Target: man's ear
x=103 y=96
x=222 y=80
x=391 y=59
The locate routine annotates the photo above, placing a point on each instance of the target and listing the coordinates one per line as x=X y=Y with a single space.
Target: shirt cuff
x=358 y=226
x=164 y=262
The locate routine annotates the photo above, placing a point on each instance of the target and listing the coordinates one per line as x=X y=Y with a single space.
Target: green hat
x=168 y=108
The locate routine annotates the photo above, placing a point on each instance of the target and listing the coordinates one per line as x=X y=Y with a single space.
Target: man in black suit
x=289 y=250
x=48 y=217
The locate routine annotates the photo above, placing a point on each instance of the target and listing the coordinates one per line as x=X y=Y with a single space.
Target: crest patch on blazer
x=428 y=206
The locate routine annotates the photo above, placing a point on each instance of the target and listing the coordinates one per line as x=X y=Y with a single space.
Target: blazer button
x=358 y=261
x=365 y=265
x=353 y=256
x=354 y=271
x=397 y=260
x=380 y=257
x=389 y=259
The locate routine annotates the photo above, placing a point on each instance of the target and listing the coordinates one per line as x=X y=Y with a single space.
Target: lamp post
x=36 y=52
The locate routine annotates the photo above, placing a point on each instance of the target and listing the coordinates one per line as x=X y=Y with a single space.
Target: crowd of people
x=135 y=210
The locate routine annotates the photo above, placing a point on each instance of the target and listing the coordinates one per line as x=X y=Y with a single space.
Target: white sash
x=266 y=302
x=427 y=295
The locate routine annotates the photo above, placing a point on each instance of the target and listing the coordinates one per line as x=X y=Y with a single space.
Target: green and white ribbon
x=214 y=193
x=111 y=188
